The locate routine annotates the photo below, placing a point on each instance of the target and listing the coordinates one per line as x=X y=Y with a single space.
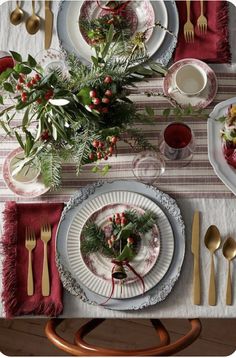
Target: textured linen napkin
x=15 y=263
x=214 y=46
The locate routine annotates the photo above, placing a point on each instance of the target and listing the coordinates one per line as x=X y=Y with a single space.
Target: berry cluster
x=119 y=220
x=101 y=101
x=25 y=84
x=103 y=150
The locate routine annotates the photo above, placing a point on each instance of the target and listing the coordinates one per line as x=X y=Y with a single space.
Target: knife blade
x=48 y=24
x=196 y=254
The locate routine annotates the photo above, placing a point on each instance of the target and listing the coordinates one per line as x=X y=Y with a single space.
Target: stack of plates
x=160 y=45
x=158 y=260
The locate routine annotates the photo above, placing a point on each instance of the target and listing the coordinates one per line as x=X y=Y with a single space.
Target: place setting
x=114 y=143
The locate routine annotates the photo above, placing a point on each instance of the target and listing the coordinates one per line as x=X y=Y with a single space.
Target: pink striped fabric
x=196 y=180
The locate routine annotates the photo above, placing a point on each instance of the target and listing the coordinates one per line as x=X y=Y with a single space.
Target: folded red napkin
x=214 y=46
x=15 y=265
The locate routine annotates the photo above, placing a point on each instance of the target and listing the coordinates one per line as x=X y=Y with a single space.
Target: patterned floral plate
x=98 y=284
x=198 y=101
x=145 y=258
x=26 y=190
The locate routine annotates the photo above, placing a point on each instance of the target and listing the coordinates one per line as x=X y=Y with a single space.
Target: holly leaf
x=17 y=57
x=8 y=87
x=126 y=254
x=31 y=61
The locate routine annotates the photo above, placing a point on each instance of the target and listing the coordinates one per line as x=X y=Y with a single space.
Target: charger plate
x=101 y=286
x=164 y=287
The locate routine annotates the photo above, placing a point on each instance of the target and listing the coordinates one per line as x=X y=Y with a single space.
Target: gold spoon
x=229 y=252
x=212 y=242
x=16 y=15
x=33 y=21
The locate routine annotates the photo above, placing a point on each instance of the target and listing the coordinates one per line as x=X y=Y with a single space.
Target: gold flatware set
x=33 y=22
x=201 y=22
x=212 y=242
x=30 y=244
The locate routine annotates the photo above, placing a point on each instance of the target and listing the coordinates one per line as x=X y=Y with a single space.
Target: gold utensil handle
x=188 y=9
x=201 y=4
x=229 y=288
x=212 y=286
x=30 y=282
x=45 y=276
x=196 y=282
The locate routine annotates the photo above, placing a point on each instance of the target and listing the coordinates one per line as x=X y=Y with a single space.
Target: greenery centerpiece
x=81 y=114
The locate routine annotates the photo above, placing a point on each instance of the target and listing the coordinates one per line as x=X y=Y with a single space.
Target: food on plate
x=228 y=134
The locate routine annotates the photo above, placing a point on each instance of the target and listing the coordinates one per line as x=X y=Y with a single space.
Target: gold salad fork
x=202 y=21
x=45 y=237
x=30 y=243
x=188 y=26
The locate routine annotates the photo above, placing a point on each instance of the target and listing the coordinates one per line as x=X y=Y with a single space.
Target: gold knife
x=196 y=253
x=48 y=24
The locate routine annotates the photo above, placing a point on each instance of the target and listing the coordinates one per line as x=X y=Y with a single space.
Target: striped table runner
x=196 y=180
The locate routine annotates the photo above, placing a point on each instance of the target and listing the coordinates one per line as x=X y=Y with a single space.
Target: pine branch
x=51 y=165
x=145 y=222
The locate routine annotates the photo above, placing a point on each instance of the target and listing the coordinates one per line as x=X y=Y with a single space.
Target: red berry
x=18 y=87
x=130 y=240
x=37 y=77
x=105 y=100
x=117 y=215
x=45 y=135
x=33 y=81
x=95 y=143
x=105 y=110
x=92 y=94
x=101 y=145
x=99 y=155
x=29 y=84
x=114 y=140
x=106 y=157
x=91 y=156
x=108 y=93
x=123 y=215
x=39 y=100
x=91 y=106
x=107 y=79
x=24 y=99
x=118 y=221
x=111 y=150
x=111 y=219
x=21 y=79
x=96 y=101
x=123 y=220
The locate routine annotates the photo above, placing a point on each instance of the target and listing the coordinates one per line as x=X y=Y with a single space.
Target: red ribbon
x=122 y=263
x=115 y=11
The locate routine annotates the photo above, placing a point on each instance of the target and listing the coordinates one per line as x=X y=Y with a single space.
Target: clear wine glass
x=148 y=166
x=177 y=143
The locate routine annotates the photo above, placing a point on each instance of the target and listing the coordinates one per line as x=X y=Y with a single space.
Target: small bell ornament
x=119 y=272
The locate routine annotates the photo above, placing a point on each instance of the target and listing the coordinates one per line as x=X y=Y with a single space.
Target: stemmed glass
x=177 y=143
x=148 y=166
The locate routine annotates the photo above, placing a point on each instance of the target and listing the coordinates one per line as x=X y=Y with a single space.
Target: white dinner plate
x=72 y=40
x=223 y=170
x=98 y=284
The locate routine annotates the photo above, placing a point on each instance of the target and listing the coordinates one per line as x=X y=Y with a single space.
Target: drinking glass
x=177 y=143
x=148 y=166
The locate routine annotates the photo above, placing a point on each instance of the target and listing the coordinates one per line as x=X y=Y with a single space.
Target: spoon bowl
x=212 y=241
x=33 y=21
x=16 y=15
x=212 y=238
x=229 y=248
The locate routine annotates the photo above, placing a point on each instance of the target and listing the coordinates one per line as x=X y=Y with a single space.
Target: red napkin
x=15 y=264
x=214 y=46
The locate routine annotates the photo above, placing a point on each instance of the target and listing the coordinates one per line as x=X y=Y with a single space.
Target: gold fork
x=45 y=237
x=30 y=243
x=202 y=21
x=188 y=26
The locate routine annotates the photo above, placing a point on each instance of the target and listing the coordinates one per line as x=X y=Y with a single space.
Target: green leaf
x=106 y=169
x=166 y=112
x=19 y=139
x=6 y=74
x=28 y=143
x=110 y=34
x=95 y=169
x=25 y=70
x=126 y=231
x=126 y=254
x=17 y=57
x=31 y=61
x=8 y=87
x=1 y=99
x=149 y=111
x=25 y=119
x=158 y=68
x=83 y=96
x=95 y=61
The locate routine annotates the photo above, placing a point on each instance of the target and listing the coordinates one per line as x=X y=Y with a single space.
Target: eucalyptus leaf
x=158 y=68
x=19 y=139
x=1 y=99
x=126 y=254
x=25 y=119
x=17 y=57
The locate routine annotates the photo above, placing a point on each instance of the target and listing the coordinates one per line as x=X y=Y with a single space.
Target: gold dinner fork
x=45 y=237
x=188 y=26
x=202 y=21
x=30 y=243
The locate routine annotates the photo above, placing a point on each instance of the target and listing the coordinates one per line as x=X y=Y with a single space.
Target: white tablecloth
x=219 y=211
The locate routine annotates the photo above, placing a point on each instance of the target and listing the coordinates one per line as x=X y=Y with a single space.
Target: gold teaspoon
x=212 y=242
x=33 y=21
x=229 y=252
x=16 y=15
